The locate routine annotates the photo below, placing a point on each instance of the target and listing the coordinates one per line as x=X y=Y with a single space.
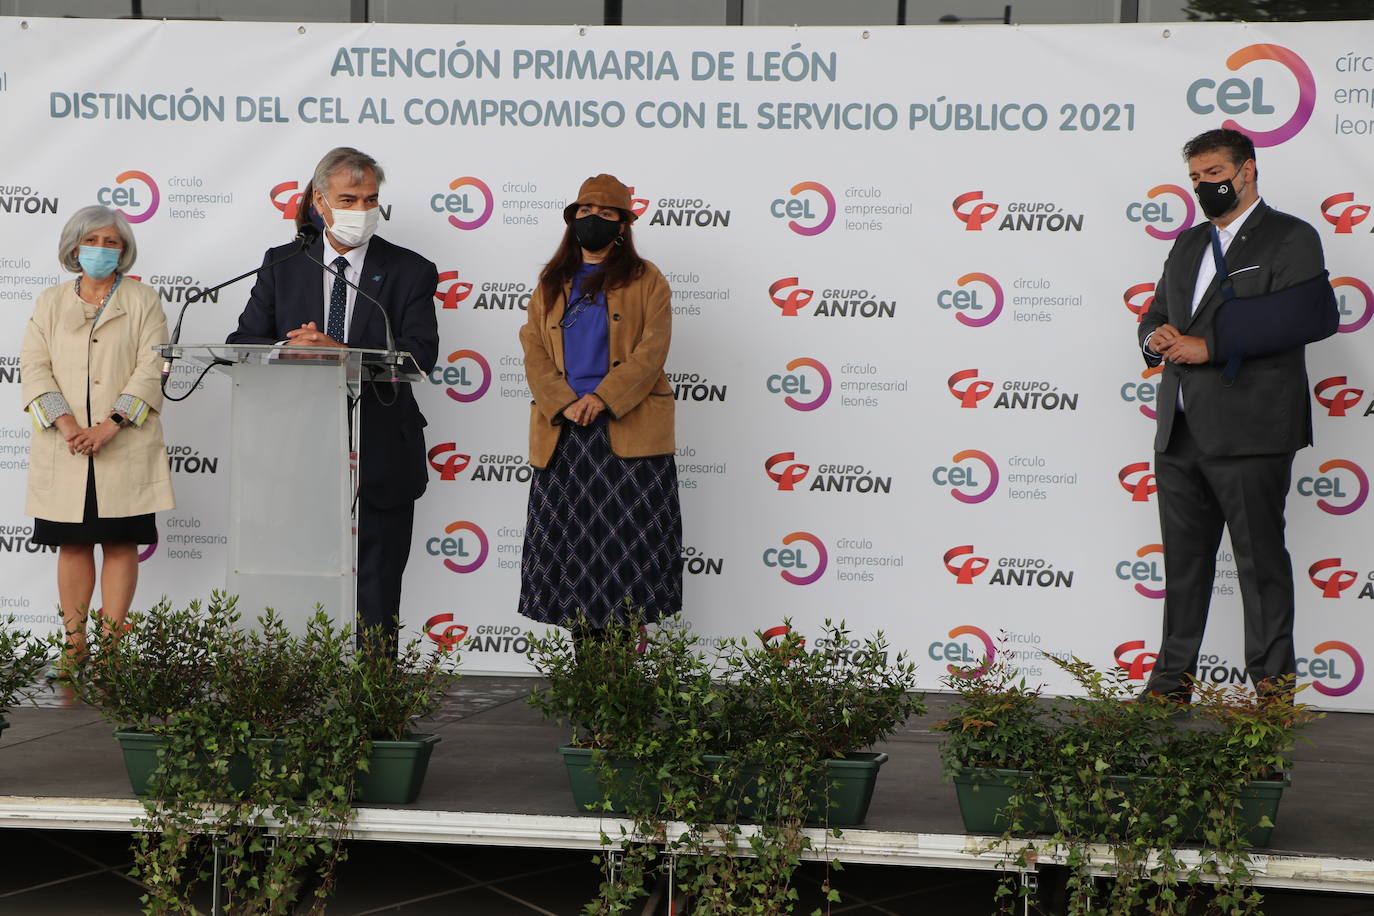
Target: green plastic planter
x=1261 y=799
x=984 y=795
x=1258 y=800
x=395 y=774
x=629 y=784
x=140 y=757
x=140 y=751
x=839 y=797
x=849 y=787
x=242 y=776
x=396 y=771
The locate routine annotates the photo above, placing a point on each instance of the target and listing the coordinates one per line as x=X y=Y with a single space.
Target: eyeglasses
x=574 y=311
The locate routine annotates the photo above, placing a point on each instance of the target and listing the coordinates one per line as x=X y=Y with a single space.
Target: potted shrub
x=1107 y=771
x=388 y=697
x=619 y=693
x=634 y=696
x=1171 y=775
x=1001 y=737
x=675 y=739
x=1246 y=744
x=249 y=726
x=266 y=749
x=169 y=661
x=23 y=659
x=1142 y=779
x=240 y=691
x=996 y=731
x=273 y=704
x=141 y=678
x=789 y=724
x=787 y=705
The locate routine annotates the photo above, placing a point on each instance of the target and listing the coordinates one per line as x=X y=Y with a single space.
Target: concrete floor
x=498 y=756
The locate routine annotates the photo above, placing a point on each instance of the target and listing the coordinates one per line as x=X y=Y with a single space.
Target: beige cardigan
x=638 y=398
x=61 y=353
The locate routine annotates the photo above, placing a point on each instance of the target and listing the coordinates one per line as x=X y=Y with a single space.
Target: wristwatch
x=119 y=419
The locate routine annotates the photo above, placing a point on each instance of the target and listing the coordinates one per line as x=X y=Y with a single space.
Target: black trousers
x=1198 y=494
x=383 y=550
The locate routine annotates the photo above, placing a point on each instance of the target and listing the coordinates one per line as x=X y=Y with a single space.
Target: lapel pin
x=376 y=278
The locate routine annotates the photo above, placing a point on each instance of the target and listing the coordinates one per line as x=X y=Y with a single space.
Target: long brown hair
x=621 y=266
x=306 y=205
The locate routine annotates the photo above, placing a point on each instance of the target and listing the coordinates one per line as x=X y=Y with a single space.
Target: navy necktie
x=338 y=302
x=1228 y=373
x=1219 y=259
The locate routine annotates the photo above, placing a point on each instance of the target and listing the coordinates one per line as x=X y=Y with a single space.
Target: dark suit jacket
x=392 y=450
x=1266 y=409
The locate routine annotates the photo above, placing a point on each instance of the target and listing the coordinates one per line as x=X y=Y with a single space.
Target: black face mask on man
x=594 y=233
x=1218 y=198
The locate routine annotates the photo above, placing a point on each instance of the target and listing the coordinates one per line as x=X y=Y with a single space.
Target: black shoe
x=1181 y=695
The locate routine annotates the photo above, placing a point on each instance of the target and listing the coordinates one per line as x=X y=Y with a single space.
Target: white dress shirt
x=353 y=272
x=1207 y=270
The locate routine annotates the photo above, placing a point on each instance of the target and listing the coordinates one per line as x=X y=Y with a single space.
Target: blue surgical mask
x=98 y=262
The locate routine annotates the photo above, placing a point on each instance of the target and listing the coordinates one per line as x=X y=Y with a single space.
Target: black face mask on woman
x=594 y=233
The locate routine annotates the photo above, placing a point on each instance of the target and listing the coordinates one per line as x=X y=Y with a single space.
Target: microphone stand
x=305 y=237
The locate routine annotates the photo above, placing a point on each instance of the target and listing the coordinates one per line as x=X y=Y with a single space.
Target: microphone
x=306 y=236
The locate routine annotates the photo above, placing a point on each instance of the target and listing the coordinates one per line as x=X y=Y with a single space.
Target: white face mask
x=352 y=228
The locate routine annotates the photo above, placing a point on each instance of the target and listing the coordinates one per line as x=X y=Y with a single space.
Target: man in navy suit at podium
x=299 y=303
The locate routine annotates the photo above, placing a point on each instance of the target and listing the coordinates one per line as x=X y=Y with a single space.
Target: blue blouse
x=586 y=336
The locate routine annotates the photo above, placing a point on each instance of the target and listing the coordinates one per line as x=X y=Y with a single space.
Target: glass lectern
x=293 y=471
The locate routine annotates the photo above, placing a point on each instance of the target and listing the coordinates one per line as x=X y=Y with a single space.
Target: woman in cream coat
x=98 y=465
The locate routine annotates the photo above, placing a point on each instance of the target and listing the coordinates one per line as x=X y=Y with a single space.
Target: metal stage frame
x=495 y=781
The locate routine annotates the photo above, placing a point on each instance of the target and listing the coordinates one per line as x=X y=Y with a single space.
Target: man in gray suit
x=1227 y=433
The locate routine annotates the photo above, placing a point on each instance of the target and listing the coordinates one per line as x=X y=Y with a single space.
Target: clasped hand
x=89 y=440
x=309 y=335
x=584 y=410
x=1174 y=347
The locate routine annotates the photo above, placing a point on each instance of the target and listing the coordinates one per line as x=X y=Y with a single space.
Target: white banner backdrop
x=907 y=266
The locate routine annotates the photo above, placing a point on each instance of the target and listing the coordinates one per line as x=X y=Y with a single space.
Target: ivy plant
x=1139 y=777
x=731 y=741
x=265 y=731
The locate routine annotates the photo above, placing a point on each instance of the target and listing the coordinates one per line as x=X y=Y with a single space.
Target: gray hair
x=87 y=220
x=344 y=157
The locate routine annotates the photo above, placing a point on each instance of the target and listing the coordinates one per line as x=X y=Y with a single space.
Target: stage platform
x=495 y=780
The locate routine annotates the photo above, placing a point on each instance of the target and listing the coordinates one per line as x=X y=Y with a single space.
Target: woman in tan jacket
x=603 y=533
x=98 y=465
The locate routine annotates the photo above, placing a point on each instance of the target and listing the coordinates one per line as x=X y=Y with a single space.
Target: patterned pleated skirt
x=603 y=535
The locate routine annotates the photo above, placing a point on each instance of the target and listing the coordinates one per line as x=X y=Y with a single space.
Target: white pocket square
x=1243 y=270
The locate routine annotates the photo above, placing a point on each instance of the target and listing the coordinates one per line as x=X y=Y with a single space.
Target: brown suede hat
x=601 y=191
